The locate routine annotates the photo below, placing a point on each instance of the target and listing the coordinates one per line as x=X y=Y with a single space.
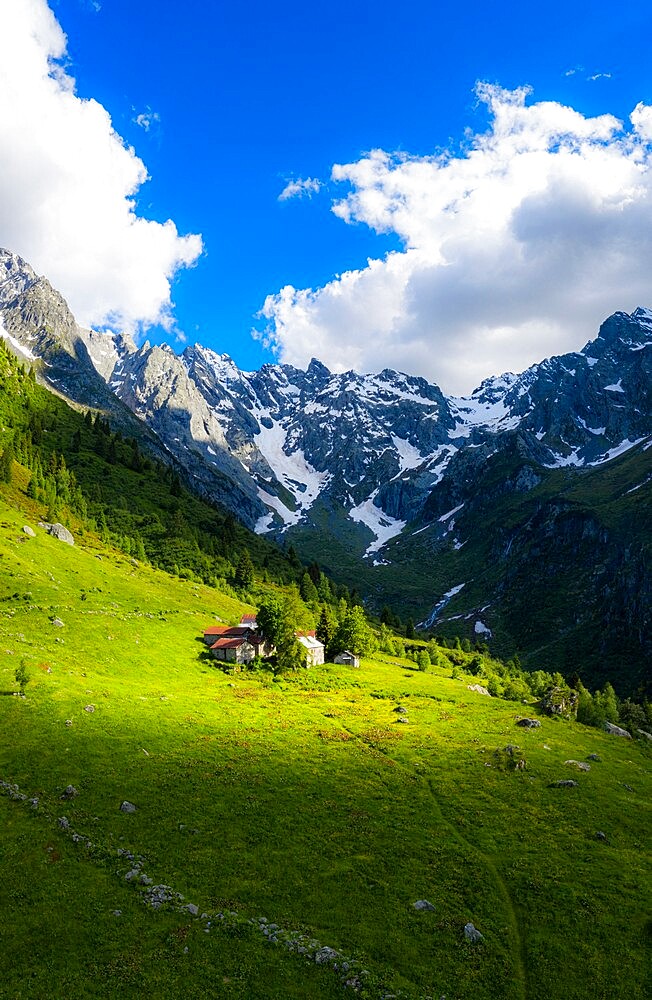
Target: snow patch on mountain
x=560 y=461
x=620 y=449
x=266 y=521
x=380 y=524
x=450 y=513
x=438 y=461
x=486 y=407
x=292 y=470
x=408 y=456
x=592 y=430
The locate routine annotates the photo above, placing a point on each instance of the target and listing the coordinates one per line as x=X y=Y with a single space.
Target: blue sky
x=226 y=104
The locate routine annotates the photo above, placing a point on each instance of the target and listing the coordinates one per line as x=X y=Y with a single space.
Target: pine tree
x=326 y=626
x=293 y=558
x=139 y=550
x=229 y=530
x=324 y=591
x=7 y=464
x=308 y=590
x=244 y=572
x=22 y=676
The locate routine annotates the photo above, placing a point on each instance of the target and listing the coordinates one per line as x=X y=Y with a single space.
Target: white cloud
x=515 y=248
x=300 y=189
x=599 y=76
x=146 y=119
x=68 y=185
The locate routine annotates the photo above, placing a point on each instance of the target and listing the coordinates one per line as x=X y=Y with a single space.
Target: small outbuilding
x=348 y=658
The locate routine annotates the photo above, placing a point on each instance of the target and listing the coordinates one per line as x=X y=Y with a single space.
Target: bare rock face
x=58 y=531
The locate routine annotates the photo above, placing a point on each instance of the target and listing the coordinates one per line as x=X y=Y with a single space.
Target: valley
x=298 y=799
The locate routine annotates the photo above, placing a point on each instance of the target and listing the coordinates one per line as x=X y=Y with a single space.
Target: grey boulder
x=579 y=764
x=58 y=531
x=478 y=688
x=472 y=934
x=617 y=731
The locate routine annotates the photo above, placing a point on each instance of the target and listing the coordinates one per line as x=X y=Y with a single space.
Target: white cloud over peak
x=299 y=188
x=516 y=247
x=68 y=184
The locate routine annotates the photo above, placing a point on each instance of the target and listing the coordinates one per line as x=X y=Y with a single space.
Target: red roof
x=248 y=620
x=227 y=643
x=231 y=630
x=308 y=635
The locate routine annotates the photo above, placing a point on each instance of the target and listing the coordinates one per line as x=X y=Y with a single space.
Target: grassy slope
x=311 y=806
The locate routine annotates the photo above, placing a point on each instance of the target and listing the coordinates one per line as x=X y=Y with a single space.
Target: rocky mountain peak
x=15 y=276
x=317 y=368
x=631 y=329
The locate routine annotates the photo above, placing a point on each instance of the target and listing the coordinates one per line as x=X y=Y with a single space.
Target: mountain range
x=520 y=513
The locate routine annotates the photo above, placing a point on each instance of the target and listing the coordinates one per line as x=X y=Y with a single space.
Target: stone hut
x=348 y=658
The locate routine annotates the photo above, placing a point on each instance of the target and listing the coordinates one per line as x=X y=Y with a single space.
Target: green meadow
x=300 y=799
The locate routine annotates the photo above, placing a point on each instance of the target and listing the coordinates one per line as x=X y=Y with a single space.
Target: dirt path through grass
x=469 y=848
x=518 y=950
